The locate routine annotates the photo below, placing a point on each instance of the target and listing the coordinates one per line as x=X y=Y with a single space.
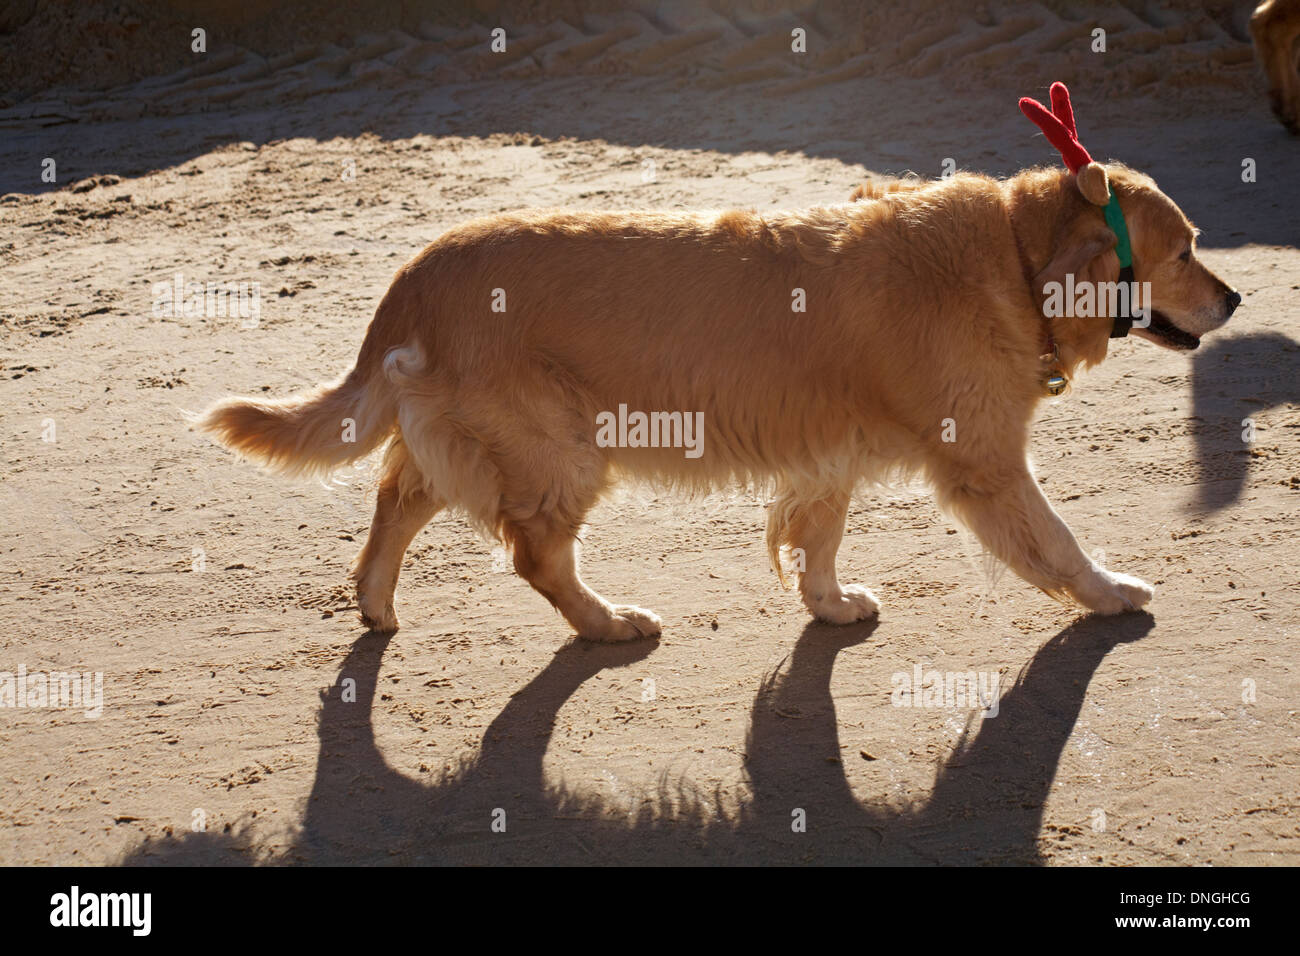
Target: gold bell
x=1056 y=382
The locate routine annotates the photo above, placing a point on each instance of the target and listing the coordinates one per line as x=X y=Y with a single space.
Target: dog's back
x=794 y=334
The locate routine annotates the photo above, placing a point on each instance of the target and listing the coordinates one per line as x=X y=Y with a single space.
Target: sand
x=247 y=717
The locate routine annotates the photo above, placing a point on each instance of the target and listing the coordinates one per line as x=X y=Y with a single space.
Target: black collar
x=1124 y=317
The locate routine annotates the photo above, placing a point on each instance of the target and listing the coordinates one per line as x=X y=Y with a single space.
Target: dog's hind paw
x=845 y=606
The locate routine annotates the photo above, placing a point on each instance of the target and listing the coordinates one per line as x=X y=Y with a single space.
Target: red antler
x=1061 y=108
x=1058 y=126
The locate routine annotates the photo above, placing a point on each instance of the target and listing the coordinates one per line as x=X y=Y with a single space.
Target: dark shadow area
x=988 y=799
x=896 y=134
x=986 y=805
x=1234 y=379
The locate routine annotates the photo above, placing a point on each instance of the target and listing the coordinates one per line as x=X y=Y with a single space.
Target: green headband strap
x=1115 y=220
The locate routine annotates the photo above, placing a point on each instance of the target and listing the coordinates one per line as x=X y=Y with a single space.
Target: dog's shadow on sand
x=1234 y=379
x=985 y=807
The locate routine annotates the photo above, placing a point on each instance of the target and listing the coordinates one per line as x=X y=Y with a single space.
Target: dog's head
x=1061 y=226
x=1187 y=300
x=1181 y=299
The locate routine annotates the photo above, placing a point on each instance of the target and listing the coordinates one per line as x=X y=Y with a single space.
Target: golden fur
x=922 y=308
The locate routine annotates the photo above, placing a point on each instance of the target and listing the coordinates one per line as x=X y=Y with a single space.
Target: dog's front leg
x=813 y=526
x=1008 y=512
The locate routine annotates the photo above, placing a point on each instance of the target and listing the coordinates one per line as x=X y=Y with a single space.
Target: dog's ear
x=1086 y=250
x=1093 y=183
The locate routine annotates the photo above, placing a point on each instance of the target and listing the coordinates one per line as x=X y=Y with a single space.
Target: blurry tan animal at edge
x=1275 y=28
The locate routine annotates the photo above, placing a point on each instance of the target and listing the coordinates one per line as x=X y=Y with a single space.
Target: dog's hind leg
x=546 y=556
x=402 y=508
x=1008 y=512
x=813 y=527
x=550 y=478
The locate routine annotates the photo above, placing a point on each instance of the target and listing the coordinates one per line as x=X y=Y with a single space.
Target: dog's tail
x=312 y=433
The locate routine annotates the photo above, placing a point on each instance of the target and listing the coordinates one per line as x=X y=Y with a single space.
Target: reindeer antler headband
x=1058 y=126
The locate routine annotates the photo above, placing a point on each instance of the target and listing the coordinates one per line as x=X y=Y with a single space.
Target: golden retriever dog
x=522 y=363
x=1275 y=28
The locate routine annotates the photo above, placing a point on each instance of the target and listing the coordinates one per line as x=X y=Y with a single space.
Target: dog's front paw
x=843 y=606
x=1109 y=592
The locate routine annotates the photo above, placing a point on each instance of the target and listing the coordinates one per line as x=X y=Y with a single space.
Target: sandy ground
x=1159 y=738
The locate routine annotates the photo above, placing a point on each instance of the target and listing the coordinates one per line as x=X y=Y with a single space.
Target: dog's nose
x=1234 y=300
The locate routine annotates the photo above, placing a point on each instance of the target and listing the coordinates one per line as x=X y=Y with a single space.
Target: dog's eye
x=1186 y=256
